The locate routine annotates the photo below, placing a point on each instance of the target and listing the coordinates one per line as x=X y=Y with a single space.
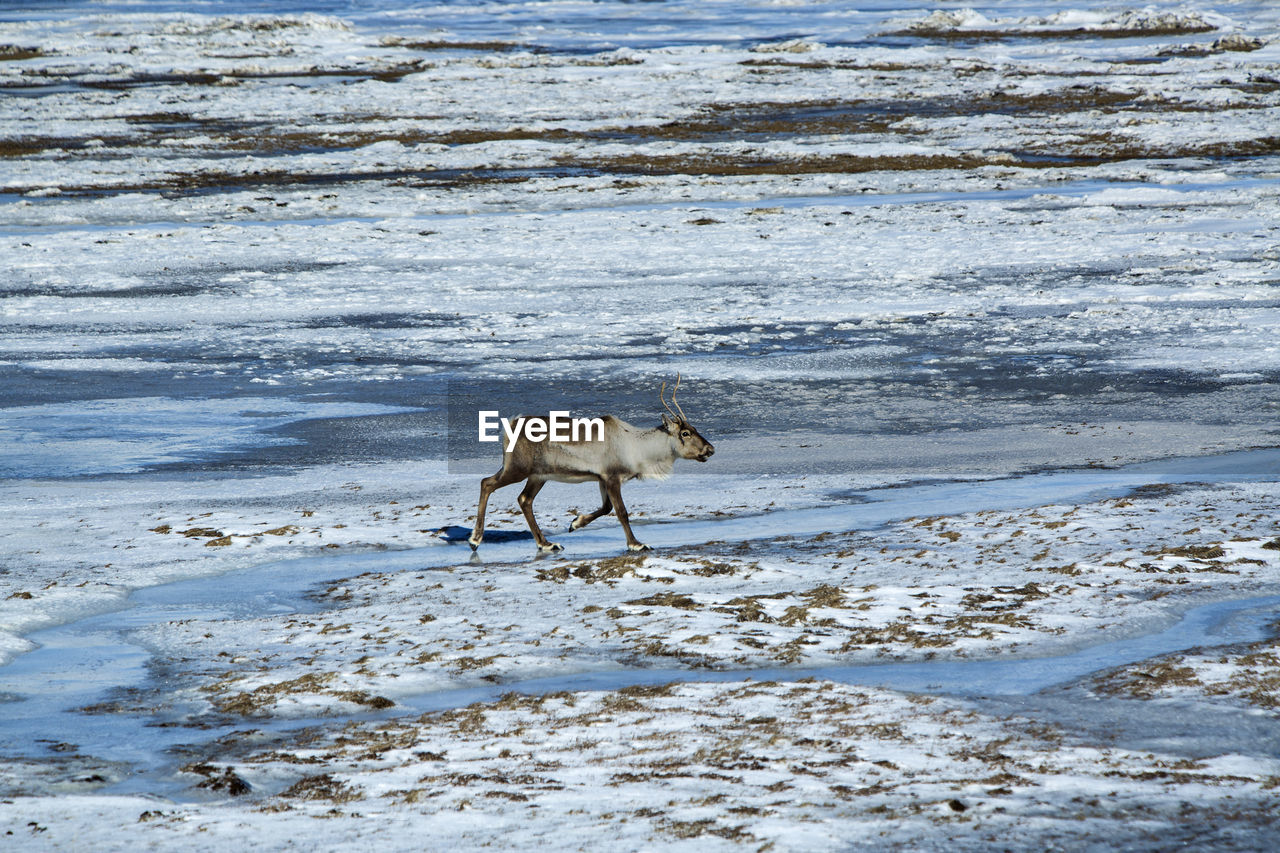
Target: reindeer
x=624 y=453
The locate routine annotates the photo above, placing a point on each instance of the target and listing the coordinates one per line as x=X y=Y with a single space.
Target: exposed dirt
x=717 y=123
x=980 y=35
x=13 y=52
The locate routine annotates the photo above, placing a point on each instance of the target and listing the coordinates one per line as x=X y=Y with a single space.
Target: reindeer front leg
x=525 y=500
x=488 y=486
x=615 y=495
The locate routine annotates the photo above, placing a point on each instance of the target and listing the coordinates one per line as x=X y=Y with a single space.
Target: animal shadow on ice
x=457 y=533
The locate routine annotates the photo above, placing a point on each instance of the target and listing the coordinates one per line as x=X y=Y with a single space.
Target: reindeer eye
x=684 y=433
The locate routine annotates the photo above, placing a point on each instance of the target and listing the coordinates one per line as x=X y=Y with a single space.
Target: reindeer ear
x=666 y=422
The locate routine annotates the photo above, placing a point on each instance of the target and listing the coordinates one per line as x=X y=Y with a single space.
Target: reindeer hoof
x=474 y=541
x=577 y=522
x=638 y=546
x=550 y=547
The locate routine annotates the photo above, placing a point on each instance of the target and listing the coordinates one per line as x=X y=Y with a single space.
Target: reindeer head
x=689 y=444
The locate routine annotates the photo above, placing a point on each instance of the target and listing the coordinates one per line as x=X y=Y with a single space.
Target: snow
x=808 y=765
x=977 y=304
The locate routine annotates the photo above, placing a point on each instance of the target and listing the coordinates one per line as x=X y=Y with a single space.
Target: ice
x=977 y=305
x=128 y=435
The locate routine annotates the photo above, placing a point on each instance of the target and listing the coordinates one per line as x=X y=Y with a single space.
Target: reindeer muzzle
x=706 y=454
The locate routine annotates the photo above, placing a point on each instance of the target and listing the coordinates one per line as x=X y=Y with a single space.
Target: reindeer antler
x=662 y=391
x=673 y=399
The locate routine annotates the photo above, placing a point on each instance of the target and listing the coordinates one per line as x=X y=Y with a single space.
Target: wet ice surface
x=265 y=260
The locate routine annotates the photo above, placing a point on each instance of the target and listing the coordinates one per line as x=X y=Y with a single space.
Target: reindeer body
x=624 y=453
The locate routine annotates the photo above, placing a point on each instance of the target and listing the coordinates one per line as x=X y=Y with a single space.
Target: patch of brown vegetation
x=717 y=122
x=971 y=622
x=1004 y=597
x=660 y=649
x=1195 y=552
x=648 y=691
x=1097 y=149
x=825 y=595
x=233 y=77
x=345 y=140
x=607 y=570
x=1259 y=681
x=227 y=781
x=27 y=146
x=13 y=52
x=465 y=663
x=1085 y=151
x=821 y=596
x=713 y=568
x=322 y=787
x=894 y=632
x=833 y=64
x=713 y=163
x=555 y=574
x=960 y=35
x=706 y=826
x=666 y=599
x=748 y=608
x=1253 y=677
x=202 y=532
x=1234 y=43
x=1257 y=84
x=363 y=697
x=1150 y=679
x=480 y=46
x=260 y=698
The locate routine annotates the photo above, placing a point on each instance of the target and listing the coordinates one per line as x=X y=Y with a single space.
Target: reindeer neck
x=656 y=456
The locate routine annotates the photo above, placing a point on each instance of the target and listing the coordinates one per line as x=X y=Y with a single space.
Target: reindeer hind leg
x=606 y=507
x=525 y=500
x=615 y=495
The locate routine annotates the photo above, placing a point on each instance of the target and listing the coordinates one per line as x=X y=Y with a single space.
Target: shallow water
x=592 y=24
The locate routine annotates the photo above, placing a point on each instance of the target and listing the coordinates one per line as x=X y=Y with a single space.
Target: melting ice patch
x=1148 y=19
x=865 y=362
x=129 y=435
